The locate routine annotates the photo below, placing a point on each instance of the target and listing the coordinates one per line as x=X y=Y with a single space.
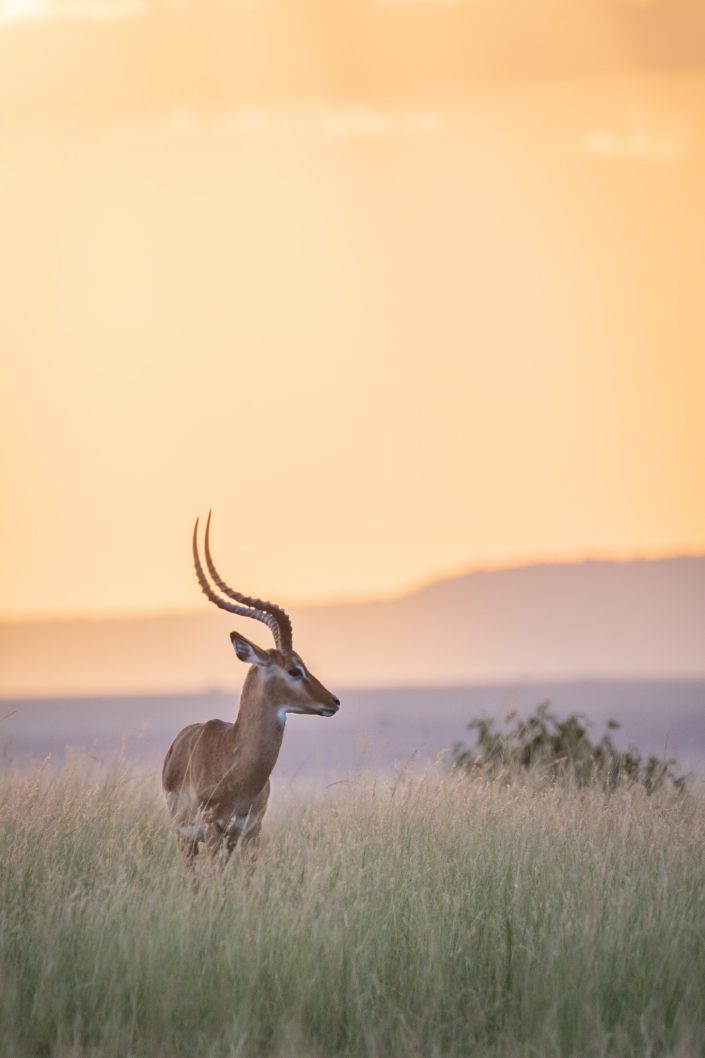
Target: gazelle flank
x=216 y=774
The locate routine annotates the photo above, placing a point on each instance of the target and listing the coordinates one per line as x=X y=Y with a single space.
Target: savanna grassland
x=427 y=917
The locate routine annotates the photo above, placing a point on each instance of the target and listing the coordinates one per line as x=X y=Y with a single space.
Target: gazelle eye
x=296 y=673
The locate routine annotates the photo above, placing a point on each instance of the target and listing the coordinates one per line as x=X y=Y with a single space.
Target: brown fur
x=217 y=774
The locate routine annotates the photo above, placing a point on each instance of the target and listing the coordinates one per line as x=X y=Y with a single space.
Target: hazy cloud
x=323 y=120
x=527 y=3
x=46 y=10
x=639 y=140
x=353 y=121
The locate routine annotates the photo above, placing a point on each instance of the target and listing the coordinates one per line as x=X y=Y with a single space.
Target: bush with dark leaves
x=544 y=744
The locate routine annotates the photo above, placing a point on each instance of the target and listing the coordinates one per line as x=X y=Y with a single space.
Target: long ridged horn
x=252 y=608
x=284 y=635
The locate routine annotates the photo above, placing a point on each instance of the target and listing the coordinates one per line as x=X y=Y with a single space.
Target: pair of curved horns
x=276 y=619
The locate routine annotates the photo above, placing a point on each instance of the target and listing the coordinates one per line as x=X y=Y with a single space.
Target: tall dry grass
x=431 y=917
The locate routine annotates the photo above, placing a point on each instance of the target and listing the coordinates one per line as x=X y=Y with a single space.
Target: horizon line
x=217 y=690
x=328 y=602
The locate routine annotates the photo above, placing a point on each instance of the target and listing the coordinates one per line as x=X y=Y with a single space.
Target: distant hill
x=608 y=620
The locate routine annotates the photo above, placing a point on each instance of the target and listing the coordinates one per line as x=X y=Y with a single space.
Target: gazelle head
x=291 y=688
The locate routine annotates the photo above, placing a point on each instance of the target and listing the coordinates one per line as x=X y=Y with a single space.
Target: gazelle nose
x=336 y=701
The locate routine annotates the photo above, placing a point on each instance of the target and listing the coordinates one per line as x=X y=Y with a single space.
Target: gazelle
x=216 y=775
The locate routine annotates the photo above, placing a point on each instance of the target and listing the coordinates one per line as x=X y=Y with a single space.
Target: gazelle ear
x=248 y=652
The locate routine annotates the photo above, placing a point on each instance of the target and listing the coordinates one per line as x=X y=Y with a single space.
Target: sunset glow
x=358 y=277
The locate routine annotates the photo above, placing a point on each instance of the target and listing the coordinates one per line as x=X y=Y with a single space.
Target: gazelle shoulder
x=215 y=727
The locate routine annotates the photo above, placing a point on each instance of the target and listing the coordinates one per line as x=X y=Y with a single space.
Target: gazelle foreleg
x=188 y=845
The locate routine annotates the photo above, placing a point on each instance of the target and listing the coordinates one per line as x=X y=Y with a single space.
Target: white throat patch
x=284 y=709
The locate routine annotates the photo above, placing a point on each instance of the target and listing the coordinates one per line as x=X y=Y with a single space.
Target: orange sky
x=393 y=289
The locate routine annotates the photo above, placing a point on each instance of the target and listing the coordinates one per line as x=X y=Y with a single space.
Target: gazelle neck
x=257 y=732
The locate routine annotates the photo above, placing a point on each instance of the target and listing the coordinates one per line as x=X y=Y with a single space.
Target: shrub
x=561 y=749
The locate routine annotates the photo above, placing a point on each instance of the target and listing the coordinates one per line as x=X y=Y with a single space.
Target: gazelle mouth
x=328 y=712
